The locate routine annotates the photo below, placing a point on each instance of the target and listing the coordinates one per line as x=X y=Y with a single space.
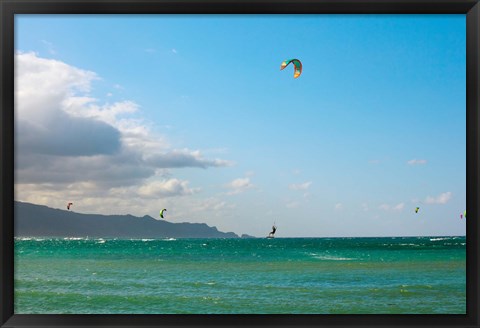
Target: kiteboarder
x=271 y=234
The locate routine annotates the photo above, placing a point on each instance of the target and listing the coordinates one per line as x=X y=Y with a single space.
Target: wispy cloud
x=384 y=207
x=296 y=172
x=184 y=158
x=443 y=198
x=300 y=186
x=399 y=207
x=293 y=204
x=417 y=162
x=387 y=207
x=50 y=48
x=212 y=204
x=338 y=206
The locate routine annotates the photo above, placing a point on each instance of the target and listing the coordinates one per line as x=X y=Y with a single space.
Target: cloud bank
x=69 y=144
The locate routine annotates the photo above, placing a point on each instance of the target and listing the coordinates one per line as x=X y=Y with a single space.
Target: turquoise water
x=241 y=276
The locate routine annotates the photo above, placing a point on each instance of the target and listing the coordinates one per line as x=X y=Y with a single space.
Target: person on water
x=273 y=230
x=270 y=235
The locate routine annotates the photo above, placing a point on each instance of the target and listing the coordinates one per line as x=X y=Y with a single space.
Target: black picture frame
x=9 y=8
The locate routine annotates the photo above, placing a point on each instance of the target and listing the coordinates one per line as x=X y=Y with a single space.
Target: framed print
x=222 y=163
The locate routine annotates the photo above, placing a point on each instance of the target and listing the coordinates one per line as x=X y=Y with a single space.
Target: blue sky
x=202 y=121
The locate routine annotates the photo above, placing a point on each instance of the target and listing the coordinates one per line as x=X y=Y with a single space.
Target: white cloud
x=70 y=144
x=41 y=85
x=300 y=186
x=239 y=185
x=338 y=206
x=166 y=188
x=443 y=198
x=365 y=207
x=417 y=162
x=113 y=114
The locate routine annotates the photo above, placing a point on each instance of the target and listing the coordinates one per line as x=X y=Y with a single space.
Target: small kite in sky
x=297 y=66
x=161 y=212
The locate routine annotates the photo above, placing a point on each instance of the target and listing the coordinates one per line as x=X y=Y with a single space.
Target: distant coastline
x=33 y=220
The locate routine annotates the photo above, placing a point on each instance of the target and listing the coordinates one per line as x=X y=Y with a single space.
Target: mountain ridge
x=32 y=220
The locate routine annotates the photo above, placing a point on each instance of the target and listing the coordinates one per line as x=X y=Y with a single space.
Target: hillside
x=38 y=220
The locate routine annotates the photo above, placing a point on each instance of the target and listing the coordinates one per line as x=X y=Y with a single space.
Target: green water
x=242 y=276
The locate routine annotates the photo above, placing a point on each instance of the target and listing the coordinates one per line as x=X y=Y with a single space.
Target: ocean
x=402 y=275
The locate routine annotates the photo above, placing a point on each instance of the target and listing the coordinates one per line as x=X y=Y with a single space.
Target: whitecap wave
x=333 y=258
